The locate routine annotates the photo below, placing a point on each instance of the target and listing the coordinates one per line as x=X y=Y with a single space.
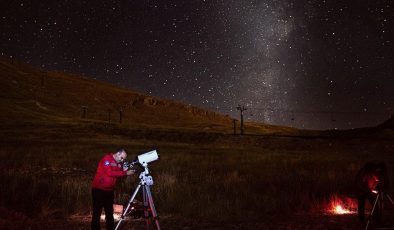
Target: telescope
x=148 y=157
x=143 y=159
x=146 y=181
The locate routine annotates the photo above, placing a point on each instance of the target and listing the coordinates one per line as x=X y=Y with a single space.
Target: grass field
x=223 y=178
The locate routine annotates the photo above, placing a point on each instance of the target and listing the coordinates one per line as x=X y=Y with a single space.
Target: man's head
x=120 y=155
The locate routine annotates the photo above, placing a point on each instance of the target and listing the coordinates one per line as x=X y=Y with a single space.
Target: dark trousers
x=361 y=206
x=102 y=199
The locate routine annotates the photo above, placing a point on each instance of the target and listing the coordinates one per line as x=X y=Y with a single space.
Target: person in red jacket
x=109 y=169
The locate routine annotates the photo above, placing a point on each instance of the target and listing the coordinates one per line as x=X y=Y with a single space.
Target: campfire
x=341 y=205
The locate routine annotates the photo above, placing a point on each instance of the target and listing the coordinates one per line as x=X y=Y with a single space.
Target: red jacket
x=107 y=173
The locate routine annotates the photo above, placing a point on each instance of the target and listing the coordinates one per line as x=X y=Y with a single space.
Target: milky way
x=309 y=64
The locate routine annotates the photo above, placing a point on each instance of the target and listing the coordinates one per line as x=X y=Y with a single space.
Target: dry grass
x=191 y=179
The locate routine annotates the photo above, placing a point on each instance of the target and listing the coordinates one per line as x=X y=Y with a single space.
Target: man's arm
x=116 y=173
x=113 y=173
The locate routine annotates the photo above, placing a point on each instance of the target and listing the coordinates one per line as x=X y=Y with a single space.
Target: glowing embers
x=118 y=209
x=136 y=211
x=341 y=205
x=340 y=210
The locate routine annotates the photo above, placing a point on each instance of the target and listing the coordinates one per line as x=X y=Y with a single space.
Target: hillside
x=389 y=124
x=31 y=94
x=34 y=96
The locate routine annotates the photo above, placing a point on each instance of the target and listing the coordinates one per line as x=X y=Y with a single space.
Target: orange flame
x=341 y=205
x=340 y=210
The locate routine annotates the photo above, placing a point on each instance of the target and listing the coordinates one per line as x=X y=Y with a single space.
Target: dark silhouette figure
x=371 y=180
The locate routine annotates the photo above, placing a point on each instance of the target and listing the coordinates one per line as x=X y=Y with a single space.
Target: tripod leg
x=152 y=207
x=146 y=206
x=391 y=200
x=373 y=210
x=128 y=206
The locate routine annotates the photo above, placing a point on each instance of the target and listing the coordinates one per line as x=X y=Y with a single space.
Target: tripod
x=379 y=199
x=149 y=208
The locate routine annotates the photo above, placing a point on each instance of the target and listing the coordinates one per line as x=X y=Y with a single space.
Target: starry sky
x=311 y=64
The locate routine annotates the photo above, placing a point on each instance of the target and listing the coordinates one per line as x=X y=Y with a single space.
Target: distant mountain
x=383 y=130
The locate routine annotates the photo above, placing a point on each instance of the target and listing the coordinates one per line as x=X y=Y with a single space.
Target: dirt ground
x=304 y=222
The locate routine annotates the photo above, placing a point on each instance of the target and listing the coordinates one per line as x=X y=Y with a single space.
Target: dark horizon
x=306 y=64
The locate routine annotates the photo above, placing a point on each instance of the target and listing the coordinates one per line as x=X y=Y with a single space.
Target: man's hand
x=130 y=172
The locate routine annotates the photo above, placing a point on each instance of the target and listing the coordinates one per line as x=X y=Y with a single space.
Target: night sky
x=309 y=64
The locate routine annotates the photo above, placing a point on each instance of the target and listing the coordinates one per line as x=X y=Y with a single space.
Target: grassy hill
x=28 y=94
x=31 y=94
x=32 y=99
